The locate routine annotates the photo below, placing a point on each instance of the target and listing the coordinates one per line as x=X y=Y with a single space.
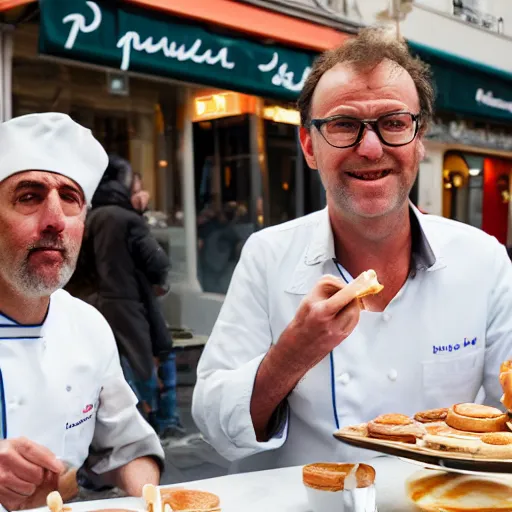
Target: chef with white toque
x=64 y=399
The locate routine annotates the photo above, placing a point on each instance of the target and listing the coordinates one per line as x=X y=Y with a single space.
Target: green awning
x=121 y=36
x=132 y=39
x=467 y=87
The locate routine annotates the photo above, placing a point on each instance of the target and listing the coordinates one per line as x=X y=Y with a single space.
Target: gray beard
x=33 y=285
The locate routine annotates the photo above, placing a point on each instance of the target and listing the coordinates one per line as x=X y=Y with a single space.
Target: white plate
x=440 y=467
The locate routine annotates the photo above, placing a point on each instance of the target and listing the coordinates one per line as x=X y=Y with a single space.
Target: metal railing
x=481 y=19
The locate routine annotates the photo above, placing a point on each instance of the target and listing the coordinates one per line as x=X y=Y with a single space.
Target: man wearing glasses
x=289 y=360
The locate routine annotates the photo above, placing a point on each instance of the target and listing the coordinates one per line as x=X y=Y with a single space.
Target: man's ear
x=421 y=150
x=307 y=147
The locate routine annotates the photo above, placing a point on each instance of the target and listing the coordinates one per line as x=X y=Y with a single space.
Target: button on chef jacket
x=440 y=341
x=62 y=387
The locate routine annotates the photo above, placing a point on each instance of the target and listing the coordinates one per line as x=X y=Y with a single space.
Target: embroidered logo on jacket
x=88 y=408
x=78 y=423
x=454 y=348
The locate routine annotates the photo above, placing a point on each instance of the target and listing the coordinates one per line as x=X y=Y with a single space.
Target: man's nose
x=370 y=146
x=52 y=214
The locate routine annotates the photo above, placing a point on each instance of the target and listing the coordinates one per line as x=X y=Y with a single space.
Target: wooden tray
x=447 y=460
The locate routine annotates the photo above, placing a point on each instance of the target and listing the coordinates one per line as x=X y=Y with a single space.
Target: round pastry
x=327 y=476
x=187 y=499
x=497 y=444
x=395 y=427
x=431 y=415
x=476 y=418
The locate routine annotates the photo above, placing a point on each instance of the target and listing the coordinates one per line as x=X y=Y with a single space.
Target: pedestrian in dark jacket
x=119 y=269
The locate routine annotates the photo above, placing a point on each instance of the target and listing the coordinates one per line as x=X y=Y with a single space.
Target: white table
x=280 y=490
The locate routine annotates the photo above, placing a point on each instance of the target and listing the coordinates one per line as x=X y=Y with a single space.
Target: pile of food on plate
x=468 y=428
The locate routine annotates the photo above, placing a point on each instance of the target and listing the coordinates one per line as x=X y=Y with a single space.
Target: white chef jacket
x=62 y=386
x=437 y=343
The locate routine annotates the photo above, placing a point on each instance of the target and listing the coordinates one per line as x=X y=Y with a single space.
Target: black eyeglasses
x=395 y=129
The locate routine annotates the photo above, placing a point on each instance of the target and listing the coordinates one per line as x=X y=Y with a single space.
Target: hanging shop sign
x=132 y=39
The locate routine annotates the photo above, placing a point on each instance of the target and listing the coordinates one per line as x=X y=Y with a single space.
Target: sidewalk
x=190 y=458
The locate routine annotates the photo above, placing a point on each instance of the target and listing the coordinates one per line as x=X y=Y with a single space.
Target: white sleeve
x=121 y=434
x=226 y=372
x=499 y=325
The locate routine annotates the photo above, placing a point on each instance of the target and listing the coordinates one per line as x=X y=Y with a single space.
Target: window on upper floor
x=477 y=13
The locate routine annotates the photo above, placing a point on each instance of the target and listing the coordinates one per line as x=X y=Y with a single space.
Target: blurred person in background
x=122 y=269
x=140 y=197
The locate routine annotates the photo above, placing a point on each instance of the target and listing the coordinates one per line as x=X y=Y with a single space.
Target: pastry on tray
x=452 y=443
x=396 y=427
x=440 y=428
x=494 y=445
x=476 y=418
x=432 y=415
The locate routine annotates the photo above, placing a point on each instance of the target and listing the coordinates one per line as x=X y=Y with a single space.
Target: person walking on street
x=121 y=270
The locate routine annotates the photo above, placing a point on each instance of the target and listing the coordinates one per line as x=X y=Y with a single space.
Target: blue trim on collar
x=3 y=433
x=333 y=393
x=21 y=338
x=17 y=324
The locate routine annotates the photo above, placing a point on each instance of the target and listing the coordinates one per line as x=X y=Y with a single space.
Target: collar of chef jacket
x=10 y=329
x=425 y=254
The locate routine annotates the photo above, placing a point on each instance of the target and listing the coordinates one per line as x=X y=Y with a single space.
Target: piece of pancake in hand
x=431 y=415
x=396 y=427
x=476 y=418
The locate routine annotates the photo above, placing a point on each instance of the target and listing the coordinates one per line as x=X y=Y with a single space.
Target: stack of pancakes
x=468 y=428
x=465 y=428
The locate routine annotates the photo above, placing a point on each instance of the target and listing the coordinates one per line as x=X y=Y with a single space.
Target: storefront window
x=138 y=124
x=282 y=154
x=222 y=160
x=477 y=191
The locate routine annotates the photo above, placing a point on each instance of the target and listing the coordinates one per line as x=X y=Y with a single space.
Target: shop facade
x=466 y=173
x=204 y=114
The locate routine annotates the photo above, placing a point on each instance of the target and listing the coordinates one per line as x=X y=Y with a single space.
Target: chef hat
x=52 y=142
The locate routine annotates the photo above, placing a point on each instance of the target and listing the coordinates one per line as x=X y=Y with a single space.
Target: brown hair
x=365 y=51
